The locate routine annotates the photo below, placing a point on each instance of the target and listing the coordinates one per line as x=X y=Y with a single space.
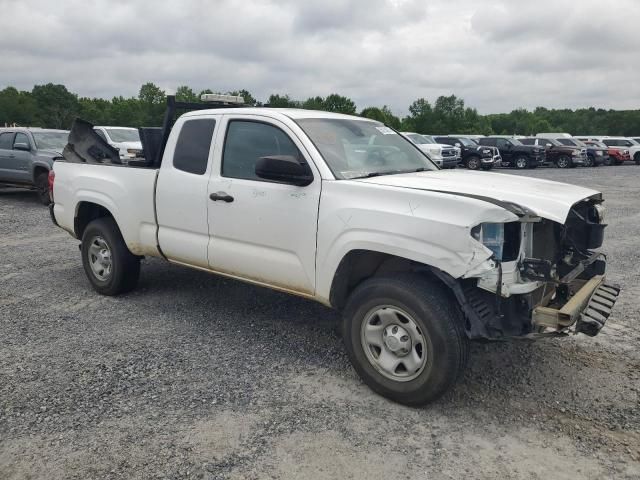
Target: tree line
x=54 y=106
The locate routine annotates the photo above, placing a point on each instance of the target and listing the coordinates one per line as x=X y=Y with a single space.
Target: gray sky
x=496 y=54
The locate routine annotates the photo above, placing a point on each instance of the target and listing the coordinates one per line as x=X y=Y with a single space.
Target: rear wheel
x=109 y=265
x=473 y=163
x=42 y=186
x=404 y=337
x=637 y=158
x=521 y=162
x=608 y=161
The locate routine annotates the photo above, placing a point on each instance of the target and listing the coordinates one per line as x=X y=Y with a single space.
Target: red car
x=616 y=155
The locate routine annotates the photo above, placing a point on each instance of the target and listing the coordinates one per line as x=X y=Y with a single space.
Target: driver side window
x=248 y=141
x=502 y=143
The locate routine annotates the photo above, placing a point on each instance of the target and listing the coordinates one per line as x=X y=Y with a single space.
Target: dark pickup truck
x=473 y=156
x=514 y=153
x=562 y=156
x=27 y=155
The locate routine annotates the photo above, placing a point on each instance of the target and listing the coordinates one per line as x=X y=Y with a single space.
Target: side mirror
x=22 y=146
x=548 y=145
x=457 y=144
x=284 y=169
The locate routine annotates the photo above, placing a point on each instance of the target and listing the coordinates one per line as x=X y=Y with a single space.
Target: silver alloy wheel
x=521 y=162
x=588 y=161
x=100 y=260
x=393 y=343
x=473 y=163
x=563 y=162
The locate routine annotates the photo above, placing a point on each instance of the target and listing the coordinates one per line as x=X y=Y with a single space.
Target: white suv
x=124 y=139
x=445 y=156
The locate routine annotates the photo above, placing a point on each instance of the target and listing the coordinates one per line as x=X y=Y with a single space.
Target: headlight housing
x=503 y=239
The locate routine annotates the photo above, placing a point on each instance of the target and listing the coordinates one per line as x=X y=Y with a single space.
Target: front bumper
x=450 y=162
x=586 y=311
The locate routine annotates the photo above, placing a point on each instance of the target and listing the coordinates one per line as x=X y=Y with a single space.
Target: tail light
x=52 y=177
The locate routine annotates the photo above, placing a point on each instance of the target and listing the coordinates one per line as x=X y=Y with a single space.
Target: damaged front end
x=545 y=276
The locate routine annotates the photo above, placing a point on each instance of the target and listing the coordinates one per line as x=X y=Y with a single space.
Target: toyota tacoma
x=344 y=211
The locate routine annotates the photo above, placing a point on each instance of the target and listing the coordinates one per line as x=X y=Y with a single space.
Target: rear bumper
x=586 y=311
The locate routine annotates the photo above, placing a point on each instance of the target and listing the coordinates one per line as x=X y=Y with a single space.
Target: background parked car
x=595 y=155
x=125 y=139
x=445 y=156
x=617 y=156
x=626 y=145
x=514 y=153
x=472 y=155
x=27 y=156
x=562 y=156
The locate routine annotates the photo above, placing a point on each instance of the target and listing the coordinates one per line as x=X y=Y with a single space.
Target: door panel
x=181 y=193
x=8 y=171
x=268 y=232
x=21 y=159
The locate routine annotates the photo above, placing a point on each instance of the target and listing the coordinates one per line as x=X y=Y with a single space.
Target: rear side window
x=192 y=149
x=488 y=141
x=446 y=140
x=21 y=138
x=6 y=140
x=247 y=141
x=528 y=141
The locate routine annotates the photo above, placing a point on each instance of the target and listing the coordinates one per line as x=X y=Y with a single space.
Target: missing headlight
x=503 y=239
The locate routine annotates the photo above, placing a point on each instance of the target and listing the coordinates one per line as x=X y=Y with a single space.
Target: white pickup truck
x=347 y=212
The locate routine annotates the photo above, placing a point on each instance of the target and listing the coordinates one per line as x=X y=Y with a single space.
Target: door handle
x=221 y=196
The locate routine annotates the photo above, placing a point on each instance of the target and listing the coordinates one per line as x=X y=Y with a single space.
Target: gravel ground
x=195 y=376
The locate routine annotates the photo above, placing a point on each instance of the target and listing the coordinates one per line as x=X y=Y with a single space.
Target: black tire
x=590 y=161
x=608 y=161
x=473 y=163
x=42 y=187
x=636 y=157
x=125 y=267
x=436 y=314
x=564 y=161
x=521 y=162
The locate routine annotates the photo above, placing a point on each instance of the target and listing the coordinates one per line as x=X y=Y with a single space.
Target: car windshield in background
x=51 y=140
x=466 y=142
x=123 y=135
x=420 y=139
x=515 y=141
x=571 y=142
x=360 y=148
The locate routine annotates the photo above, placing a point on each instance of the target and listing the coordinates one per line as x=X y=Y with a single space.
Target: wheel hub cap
x=100 y=260
x=397 y=340
x=393 y=343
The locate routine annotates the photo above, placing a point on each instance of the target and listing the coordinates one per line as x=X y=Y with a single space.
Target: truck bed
x=127 y=192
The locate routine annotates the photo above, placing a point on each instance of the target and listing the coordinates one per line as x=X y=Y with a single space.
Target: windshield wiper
x=388 y=172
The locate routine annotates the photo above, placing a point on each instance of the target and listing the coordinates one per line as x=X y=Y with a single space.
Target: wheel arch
x=359 y=265
x=86 y=212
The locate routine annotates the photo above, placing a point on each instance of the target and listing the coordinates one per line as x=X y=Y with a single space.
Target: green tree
x=56 y=106
x=282 y=101
x=152 y=103
x=340 y=104
x=383 y=115
x=17 y=108
x=184 y=93
x=314 y=103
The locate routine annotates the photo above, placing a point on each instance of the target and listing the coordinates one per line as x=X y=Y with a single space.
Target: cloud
x=497 y=55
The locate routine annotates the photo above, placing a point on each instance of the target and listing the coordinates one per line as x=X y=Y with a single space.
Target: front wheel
x=637 y=158
x=473 y=163
x=109 y=265
x=564 y=162
x=404 y=337
x=590 y=161
x=521 y=162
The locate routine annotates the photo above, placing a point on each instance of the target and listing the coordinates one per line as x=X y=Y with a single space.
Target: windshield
x=123 y=134
x=515 y=141
x=360 y=148
x=50 y=140
x=466 y=142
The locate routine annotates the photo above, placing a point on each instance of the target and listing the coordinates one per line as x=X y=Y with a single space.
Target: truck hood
x=545 y=198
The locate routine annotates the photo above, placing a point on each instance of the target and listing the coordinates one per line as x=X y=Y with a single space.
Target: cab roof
x=292 y=113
